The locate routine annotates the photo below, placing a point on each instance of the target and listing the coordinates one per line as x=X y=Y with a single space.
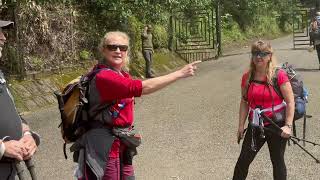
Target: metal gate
x=195 y=34
x=301 y=19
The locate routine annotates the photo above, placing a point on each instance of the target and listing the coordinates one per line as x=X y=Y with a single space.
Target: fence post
x=218 y=27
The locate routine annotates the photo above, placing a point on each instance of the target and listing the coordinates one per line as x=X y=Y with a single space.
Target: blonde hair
x=271 y=66
x=104 y=42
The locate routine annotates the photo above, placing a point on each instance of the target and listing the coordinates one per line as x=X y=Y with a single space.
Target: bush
x=85 y=55
x=134 y=31
x=160 y=37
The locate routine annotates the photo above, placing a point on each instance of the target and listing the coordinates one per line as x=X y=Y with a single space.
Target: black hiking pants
x=277 y=147
x=7 y=171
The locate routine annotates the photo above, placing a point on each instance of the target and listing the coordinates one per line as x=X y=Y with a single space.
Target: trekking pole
x=295 y=142
x=292 y=138
x=280 y=130
x=20 y=170
x=303 y=140
x=30 y=165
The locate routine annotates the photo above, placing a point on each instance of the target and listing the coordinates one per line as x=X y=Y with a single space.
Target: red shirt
x=122 y=88
x=258 y=94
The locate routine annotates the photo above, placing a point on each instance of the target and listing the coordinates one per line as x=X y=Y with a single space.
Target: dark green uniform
x=147 y=50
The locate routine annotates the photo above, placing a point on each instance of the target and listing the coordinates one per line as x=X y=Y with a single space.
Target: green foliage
x=75 y=28
x=85 y=55
x=11 y=56
x=36 y=63
x=134 y=31
x=231 y=32
x=247 y=13
x=160 y=37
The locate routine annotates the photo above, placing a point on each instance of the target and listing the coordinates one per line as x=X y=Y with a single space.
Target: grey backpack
x=297 y=88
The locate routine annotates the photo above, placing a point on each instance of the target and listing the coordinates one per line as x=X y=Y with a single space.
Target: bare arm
x=144 y=33
x=288 y=96
x=25 y=127
x=151 y=85
x=243 y=113
x=243 y=110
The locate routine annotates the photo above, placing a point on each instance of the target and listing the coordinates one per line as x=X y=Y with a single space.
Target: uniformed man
x=147 y=49
x=17 y=142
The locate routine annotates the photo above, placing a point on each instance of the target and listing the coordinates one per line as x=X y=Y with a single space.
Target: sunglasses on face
x=260 y=54
x=114 y=47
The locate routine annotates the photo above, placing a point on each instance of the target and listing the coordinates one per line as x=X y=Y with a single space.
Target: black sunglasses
x=114 y=47
x=260 y=54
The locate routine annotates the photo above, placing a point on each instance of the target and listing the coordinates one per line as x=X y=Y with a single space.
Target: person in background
x=147 y=49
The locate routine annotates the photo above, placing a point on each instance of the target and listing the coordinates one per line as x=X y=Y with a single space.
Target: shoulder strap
x=275 y=84
x=93 y=73
x=85 y=81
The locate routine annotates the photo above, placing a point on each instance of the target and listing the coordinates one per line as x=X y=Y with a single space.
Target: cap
x=5 y=23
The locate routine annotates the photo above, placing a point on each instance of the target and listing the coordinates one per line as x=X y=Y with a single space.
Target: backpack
x=297 y=88
x=74 y=107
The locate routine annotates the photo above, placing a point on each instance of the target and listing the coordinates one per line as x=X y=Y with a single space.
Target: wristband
x=289 y=126
x=34 y=135
x=27 y=133
x=2 y=149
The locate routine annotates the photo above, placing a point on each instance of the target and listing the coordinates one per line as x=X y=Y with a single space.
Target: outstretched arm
x=151 y=85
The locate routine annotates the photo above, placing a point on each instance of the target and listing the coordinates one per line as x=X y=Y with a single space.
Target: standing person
x=147 y=49
x=16 y=139
x=315 y=24
x=257 y=92
x=106 y=155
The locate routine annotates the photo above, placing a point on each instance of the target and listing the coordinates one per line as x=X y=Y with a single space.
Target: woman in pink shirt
x=258 y=92
x=113 y=85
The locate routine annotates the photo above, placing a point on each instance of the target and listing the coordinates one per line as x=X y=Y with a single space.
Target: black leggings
x=277 y=147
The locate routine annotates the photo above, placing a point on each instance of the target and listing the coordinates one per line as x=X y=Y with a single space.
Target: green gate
x=301 y=19
x=197 y=33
